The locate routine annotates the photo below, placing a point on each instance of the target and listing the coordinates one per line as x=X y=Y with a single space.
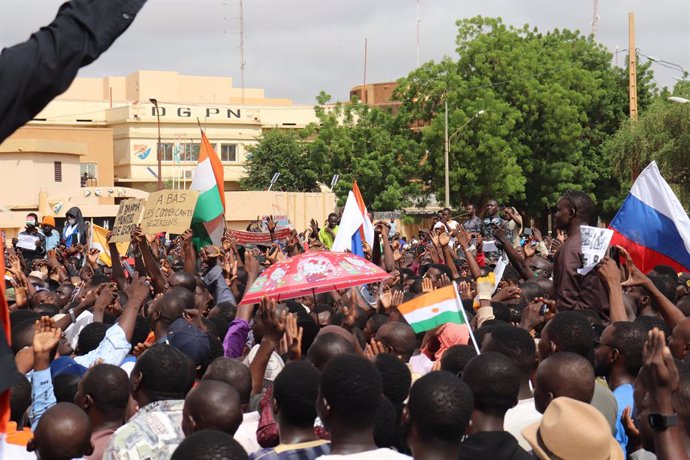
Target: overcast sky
x=295 y=48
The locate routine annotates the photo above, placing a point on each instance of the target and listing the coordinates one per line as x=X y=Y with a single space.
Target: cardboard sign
x=128 y=217
x=259 y=237
x=169 y=211
x=28 y=242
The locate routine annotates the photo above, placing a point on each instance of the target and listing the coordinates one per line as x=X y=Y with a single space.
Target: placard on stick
x=169 y=211
x=128 y=216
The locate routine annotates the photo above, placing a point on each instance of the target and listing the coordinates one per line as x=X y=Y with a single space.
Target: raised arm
x=36 y=71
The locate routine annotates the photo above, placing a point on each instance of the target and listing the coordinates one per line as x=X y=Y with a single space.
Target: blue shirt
x=42 y=395
x=53 y=240
x=624 y=398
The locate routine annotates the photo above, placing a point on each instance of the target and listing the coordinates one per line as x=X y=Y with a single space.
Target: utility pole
x=242 y=61
x=632 y=66
x=364 y=83
x=632 y=81
x=595 y=18
x=445 y=155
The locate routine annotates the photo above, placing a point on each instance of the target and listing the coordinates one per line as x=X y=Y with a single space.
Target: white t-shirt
x=246 y=433
x=378 y=454
x=519 y=417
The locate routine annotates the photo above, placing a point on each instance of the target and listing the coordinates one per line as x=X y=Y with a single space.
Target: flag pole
x=464 y=315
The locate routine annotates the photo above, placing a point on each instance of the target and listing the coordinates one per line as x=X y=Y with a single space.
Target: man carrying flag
x=208 y=222
x=652 y=224
x=355 y=225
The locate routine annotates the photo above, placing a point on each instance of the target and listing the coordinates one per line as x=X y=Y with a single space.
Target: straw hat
x=572 y=430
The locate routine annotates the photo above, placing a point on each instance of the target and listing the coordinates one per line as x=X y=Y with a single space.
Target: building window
x=88 y=173
x=228 y=152
x=57 y=166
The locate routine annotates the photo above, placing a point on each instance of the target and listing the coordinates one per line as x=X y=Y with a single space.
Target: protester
x=159 y=382
x=31 y=242
x=495 y=384
x=350 y=373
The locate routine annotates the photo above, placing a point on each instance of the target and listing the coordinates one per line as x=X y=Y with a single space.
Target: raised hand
x=106 y=296
x=187 y=236
x=138 y=290
x=465 y=290
x=609 y=272
x=507 y=293
x=46 y=335
x=536 y=233
x=274 y=323
x=443 y=281
x=386 y=299
x=397 y=299
x=15 y=264
x=374 y=349
x=137 y=235
x=635 y=276
x=427 y=285
x=660 y=373
x=293 y=337
x=271 y=224
x=92 y=256
x=251 y=264
x=444 y=239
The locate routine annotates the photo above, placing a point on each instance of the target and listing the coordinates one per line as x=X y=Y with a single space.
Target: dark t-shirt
x=573 y=291
x=492 y=445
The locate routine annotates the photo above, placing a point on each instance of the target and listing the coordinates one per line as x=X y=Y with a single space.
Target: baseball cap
x=66 y=365
x=190 y=340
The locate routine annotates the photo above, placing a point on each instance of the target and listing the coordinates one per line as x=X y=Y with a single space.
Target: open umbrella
x=312 y=273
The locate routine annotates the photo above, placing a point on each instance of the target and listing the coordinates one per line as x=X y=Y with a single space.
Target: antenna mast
x=418 y=27
x=242 y=61
x=595 y=18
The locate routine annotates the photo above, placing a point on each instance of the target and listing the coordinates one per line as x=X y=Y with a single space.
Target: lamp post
x=154 y=101
x=447 y=148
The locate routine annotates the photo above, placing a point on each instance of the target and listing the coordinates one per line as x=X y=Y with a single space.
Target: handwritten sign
x=259 y=237
x=128 y=216
x=26 y=241
x=169 y=211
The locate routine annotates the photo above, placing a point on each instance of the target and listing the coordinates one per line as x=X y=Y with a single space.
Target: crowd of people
x=156 y=357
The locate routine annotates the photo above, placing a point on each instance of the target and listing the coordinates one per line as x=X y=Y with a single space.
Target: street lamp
x=678 y=100
x=447 y=148
x=154 y=101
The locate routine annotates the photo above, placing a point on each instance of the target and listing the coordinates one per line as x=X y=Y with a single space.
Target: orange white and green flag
x=433 y=309
x=208 y=222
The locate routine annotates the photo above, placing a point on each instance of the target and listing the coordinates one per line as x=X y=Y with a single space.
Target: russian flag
x=355 y=225
x=652 y=224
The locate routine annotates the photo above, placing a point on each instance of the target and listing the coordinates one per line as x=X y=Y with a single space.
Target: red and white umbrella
x=312 y=273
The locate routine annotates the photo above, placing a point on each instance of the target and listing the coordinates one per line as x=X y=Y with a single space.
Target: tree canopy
x=661 y=134
x=550 y=101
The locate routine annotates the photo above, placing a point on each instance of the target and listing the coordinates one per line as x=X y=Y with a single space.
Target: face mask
x=72 y=220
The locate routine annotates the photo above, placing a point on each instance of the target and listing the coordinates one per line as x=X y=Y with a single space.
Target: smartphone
x=543 y=309
x=527 y=231
x=615 y=255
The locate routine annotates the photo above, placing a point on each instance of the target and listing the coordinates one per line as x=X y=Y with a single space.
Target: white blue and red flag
x=355 y=225
x=652 y=224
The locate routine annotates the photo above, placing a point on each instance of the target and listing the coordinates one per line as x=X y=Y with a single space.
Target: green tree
x=550 y=101
x=284 y=152
x=661 y=134
x=368 y=145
